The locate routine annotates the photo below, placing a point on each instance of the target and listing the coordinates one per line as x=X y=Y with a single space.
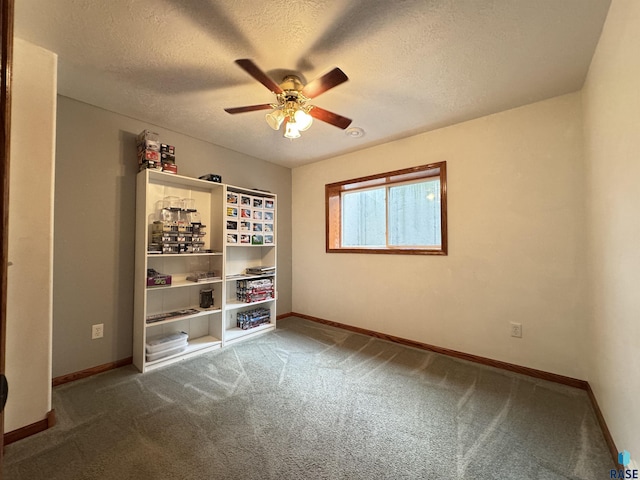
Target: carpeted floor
x=310 y=401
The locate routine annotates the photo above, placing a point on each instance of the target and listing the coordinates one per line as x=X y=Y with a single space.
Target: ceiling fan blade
x=320 y=85
x=330 y=117
x=250 y=108
x=253 y=70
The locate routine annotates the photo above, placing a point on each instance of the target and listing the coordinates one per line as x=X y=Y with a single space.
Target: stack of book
x=253 y=318
x=256 y=290
x=261 y=270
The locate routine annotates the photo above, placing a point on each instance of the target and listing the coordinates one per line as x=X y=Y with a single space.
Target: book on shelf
x=236 y=275
x=199 y=277
x=260 y=270
x=159 y=317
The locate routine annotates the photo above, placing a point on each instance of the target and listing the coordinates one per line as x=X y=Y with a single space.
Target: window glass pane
x=398 y=212
x=363 y=218
x=414 y=214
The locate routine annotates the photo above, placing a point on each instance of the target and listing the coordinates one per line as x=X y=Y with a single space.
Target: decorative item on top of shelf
x=168 y=149
x=211 y=177
x=148 y=140
x=155 y=155
x=177 y=227
x=256 y=290
x=168 y=158
x=162 y=346
x=253 y=318
x=149 y=159
x=157 y=279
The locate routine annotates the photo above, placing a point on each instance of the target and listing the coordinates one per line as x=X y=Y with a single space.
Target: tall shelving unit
x=207 y=328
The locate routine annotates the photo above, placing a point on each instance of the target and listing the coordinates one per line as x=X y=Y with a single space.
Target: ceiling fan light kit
x=291 y=131
x=291 y=107
x=275 y=119
x=292 y=97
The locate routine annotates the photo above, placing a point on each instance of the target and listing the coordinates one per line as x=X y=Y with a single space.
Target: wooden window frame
x=333 y=206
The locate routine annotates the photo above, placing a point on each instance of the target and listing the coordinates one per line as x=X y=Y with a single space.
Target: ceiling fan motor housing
x=291 y=82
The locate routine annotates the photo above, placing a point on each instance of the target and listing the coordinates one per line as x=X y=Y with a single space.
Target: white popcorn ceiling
x=413 y=65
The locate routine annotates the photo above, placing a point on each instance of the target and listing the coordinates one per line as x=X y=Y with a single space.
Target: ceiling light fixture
x=292 y=109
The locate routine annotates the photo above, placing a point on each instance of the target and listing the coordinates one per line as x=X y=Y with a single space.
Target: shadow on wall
x=124 y=240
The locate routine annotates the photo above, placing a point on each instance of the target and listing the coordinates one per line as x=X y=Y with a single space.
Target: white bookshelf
x=207 y=328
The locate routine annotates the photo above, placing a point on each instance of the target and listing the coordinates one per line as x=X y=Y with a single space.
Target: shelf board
x=173 y=179
x=234 y=305
x=235 y=333
x=201 y=312
x=249 y=277
x=195 y=345
x=250 y=245
x=251 y=191
x=183 y=283
x=180 y=255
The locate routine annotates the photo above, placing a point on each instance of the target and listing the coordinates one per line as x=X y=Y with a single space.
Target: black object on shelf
x=212 y=177
x=206 y=298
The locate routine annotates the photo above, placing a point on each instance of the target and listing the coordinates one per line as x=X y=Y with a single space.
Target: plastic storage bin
x=165 y=345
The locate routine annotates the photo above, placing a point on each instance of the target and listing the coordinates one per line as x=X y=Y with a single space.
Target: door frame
x=6 y=54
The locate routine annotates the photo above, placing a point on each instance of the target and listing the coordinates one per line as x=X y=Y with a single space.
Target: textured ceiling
x=413 y=65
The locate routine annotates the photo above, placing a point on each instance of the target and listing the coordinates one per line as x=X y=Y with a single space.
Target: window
x=403 y=212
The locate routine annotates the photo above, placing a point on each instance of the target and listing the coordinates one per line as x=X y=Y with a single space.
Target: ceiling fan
x=292 y=105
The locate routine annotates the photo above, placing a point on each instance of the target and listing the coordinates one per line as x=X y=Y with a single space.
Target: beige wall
x=516 y=246
x=612 y=138
x=95 y=219
x=29 y=289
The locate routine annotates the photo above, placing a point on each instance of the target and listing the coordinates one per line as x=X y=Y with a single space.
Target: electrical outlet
x=516 y=330
x=97 y=331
